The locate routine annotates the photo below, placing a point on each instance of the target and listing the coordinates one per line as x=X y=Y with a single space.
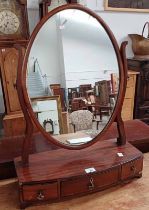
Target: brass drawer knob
x=91 y=185
x=133 y=169
x=40 y=196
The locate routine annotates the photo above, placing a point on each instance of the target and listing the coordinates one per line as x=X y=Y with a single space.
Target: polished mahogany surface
x=62 y=174
x=59 y=174
x=61 y=163
x=13 y=146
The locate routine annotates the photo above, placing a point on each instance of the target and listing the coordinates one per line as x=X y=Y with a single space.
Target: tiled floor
x=134 y=196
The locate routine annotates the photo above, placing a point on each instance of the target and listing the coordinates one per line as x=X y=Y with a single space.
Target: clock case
x=13 y=121
x=6 y=39
x=43 y=6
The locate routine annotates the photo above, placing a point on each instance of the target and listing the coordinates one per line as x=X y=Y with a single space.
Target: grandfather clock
x=47 y=5
x=13 y=30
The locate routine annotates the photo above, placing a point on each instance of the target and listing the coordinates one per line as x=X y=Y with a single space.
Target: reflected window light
x=78 y=16
x=62 y=25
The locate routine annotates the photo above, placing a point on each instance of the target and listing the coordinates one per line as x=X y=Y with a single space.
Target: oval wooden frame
x=122 y=85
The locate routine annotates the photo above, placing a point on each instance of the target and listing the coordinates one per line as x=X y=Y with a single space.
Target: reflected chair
x=82 y=120
x=103 y=89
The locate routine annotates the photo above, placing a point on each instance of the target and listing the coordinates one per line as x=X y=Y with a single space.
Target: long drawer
x=89 y=182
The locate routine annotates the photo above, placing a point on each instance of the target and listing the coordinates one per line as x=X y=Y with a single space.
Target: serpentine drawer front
x=90 y=182
x=40 y=192
x=64 y=178
x=132 y=168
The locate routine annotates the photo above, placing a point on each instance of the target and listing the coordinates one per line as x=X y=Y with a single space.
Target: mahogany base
x=54 y=176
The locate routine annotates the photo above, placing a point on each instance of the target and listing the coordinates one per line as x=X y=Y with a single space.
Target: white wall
x=88 y=52
x=121 y=23
x=46 y=50
x=33 y=17
x=79 y=53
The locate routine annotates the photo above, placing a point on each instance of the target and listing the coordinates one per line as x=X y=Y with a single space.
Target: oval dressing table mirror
x=71 y=87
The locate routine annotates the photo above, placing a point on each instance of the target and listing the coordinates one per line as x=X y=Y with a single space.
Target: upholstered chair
x=81 y=120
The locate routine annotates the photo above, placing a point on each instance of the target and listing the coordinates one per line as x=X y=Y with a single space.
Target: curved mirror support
x=72 y=77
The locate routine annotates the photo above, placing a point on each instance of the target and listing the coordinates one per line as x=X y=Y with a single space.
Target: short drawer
x=89 y=182
x=40 y=192
x=131 y=169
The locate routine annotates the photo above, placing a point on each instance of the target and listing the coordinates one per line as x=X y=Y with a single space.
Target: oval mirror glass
x=72 y=77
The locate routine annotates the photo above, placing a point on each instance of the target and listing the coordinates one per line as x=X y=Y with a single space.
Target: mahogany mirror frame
x=25 y=101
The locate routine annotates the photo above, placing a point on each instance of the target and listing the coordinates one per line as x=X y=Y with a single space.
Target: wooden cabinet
x=50 y=178
x=13 y=121
x=141 y=106
x=9 y=63
x=128 y=104
x=14 y=124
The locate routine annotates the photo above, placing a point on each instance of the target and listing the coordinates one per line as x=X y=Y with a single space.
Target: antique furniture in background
x=47 y=5
x=14 y=30
x=83 y=89
x=83 y=168
x=140 y=44
x=102 y=92
x=49 y=108
x=141 y=106
x=129 y=100
x=57 y=90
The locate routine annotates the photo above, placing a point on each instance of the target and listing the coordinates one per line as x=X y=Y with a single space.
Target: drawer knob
x=40 y=196
x=133 y=169
x=91 y=185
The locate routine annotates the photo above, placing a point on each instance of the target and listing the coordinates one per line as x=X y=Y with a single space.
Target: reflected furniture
x=46 y=109
x=81 y=120
x=129 y=99
x=58 y=91
x=83 y=89
x=141 y=105
x=114 y=82
x=48 y=126
x=78 y=104
x=103 y=91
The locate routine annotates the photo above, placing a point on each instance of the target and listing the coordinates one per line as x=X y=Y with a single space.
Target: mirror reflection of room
x=77 y=63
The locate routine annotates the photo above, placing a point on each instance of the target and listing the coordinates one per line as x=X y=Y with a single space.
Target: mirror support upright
x=121 y=140
x=29 y=125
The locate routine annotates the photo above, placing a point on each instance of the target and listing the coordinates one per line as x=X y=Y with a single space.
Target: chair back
x=81 y=119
